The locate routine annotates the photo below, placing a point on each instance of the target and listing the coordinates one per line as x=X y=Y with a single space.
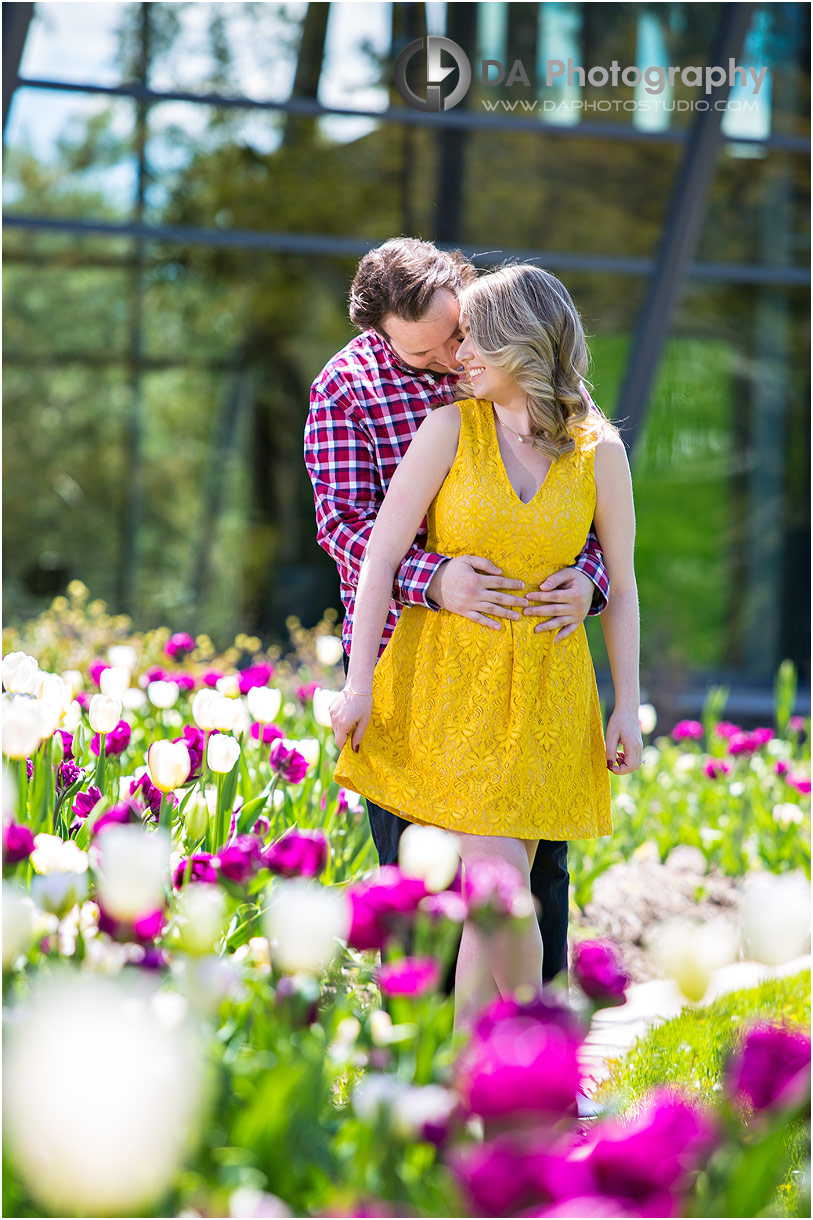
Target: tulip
x=179 y=644
x=104 y=713
x=228 y=715
x=133 y=699
x=240 y=858
x=329 y=650
x=104 y=1129
x=691 y=730
x=715 y=767
x=266 y=733
x=264 y=703
x=169 y=764
x=58 y=892
x=647 y=718
x=409 y=976
x=163 y=695
x=524 y=1066
x=74 y=676
x=73 y=717
x=431 y=854
x=196 y=820
x=20 y=673
x=786 y=814
x=201 y=914
x=50 y=715
x=54 y=689
x=123 y=656
x=201 y=867
x=252 y=1204
x=202 y=709
x=322 y=700
x=133 y=870
x=19 y=927
x=114 y=681
x=772 y=1067
x=52 y=854
x=222 y=753
x=775 y=917
x=304 y=922
x=383 y=908
x=254 y=676
x=600 y=972
x=18 y=842
x=289 y=764
x=299 y=853
x=22 y=727
x=116 y=742
x=423 y=1112
x=229 y=686
x=690 y=954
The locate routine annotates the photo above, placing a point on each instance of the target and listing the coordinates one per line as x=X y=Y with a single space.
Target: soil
x=634 y=897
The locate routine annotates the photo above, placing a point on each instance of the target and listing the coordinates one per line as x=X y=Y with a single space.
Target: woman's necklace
x=523 y=436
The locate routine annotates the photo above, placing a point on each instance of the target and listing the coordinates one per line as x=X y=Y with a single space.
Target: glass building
x=187 y=191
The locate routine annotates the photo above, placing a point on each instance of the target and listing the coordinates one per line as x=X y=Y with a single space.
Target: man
x=366 y=405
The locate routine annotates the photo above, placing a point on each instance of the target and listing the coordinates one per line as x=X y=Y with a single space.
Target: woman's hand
x=350 y=713
x=624 y=742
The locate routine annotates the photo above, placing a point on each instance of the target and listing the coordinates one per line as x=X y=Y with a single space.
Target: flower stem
x=99 y=776
x=22 y=791
x=165 y=812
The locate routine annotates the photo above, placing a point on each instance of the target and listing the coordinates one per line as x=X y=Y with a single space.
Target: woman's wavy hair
x=524 y=322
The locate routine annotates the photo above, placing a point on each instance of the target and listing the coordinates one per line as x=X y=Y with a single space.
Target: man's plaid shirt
x=365 y=407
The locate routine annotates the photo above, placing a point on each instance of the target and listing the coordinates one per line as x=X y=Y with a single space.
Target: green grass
x=690 y=1050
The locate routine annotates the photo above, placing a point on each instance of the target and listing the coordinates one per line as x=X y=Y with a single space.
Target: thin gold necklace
x=523 y=436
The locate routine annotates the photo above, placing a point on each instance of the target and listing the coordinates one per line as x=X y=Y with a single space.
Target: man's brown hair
x=401 y=277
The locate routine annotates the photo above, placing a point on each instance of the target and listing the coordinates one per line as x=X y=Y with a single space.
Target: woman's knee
x=476 y=848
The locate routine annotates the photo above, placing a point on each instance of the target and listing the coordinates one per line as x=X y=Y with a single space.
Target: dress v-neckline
x=504 y=468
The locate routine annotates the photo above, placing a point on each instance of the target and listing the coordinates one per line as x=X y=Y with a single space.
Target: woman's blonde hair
x=524 y=322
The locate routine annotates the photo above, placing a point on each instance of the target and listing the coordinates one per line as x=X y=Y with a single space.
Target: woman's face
x=485 y=379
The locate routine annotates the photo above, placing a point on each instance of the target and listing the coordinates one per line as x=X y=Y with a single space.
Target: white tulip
x=201 y=917
x=353 y=799
x=132 y=870
x=322 y=700
x=76 y=679
x=202 y=708
x=228 y=715
x=308 y=747
x=375 y=1095
x=20 y=673
x=419 y=1105
x=429 y=853
x=58 y=892
x=304 y=922
x=133 y=699
x=775 y=917
x=206 y=981
x=52 y=854
x=222 y=753
x=329 y=650
x=252 y=1204
x=123 y=656
x=104 y=713
x=163 y=695
x=53 y=688
x=72 y=718
x=102 y=1130
x=22 y=726
x=114 y=681
x=647 y=718
x=19 y=927
x=229 y=685
x=787 y=814
x=50 y=715
x=690 y=953
x=264 y=703
x=169 y=764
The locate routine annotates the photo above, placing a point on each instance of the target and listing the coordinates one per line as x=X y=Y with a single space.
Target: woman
x=497 y=736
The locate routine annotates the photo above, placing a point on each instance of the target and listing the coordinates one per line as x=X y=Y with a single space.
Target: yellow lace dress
x=481 y=731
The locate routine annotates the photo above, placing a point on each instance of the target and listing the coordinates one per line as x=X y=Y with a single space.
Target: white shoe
x=587 y=1108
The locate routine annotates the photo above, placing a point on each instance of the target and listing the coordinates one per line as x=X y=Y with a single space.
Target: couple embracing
x=478 y=506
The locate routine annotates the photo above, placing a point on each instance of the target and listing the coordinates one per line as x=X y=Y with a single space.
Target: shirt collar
x=419 y=374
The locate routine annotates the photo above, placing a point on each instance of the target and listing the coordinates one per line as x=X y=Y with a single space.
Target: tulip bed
x=197 y=1018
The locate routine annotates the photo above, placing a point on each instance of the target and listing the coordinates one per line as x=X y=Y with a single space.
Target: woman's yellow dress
x=491 y=732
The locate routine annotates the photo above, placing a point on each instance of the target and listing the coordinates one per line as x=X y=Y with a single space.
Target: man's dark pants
x=549 y=884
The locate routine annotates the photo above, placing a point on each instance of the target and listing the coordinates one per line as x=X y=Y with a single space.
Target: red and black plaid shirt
x=365 y=407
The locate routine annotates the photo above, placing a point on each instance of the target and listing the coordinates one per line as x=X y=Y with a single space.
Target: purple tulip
x=149 y=927
x=184 y=682
x=266 y=733
x=781 y=768
x=797 y=724
x=67 y=744
x=447 y=904
x=262 y=826
x=687 y=730
x=116 y=741
x=299 y=853
x=493 y=1177
x=600 y=972
x=595 y=1206
x=67 y=773
x=726 y=729
x=290 y=765
x=742 y=743
x=212 y=677
x=412 y=976
x=152 y=958
x=715 y=767
x=18 y=842
x=255 y=675
x=650 y=1160
x=493 y=889
x=83 y=699
x=85 y=802
x=145 y=791
x=123 y=814
x=801 y=783
x=306 y=691
x=762 y=736
x=542 y=1007
x=146 y=928
x=179 y=644
x=156 y=674
x=771 y=1068
x=194 y=739
x=97 y=669
x=202 y=867
x=382 y=908
x=240 y=858
x=523 y=1066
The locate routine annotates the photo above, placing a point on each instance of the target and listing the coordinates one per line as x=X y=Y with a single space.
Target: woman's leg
x=499 y=964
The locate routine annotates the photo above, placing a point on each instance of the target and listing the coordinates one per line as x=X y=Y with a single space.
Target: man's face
x=432 y=342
